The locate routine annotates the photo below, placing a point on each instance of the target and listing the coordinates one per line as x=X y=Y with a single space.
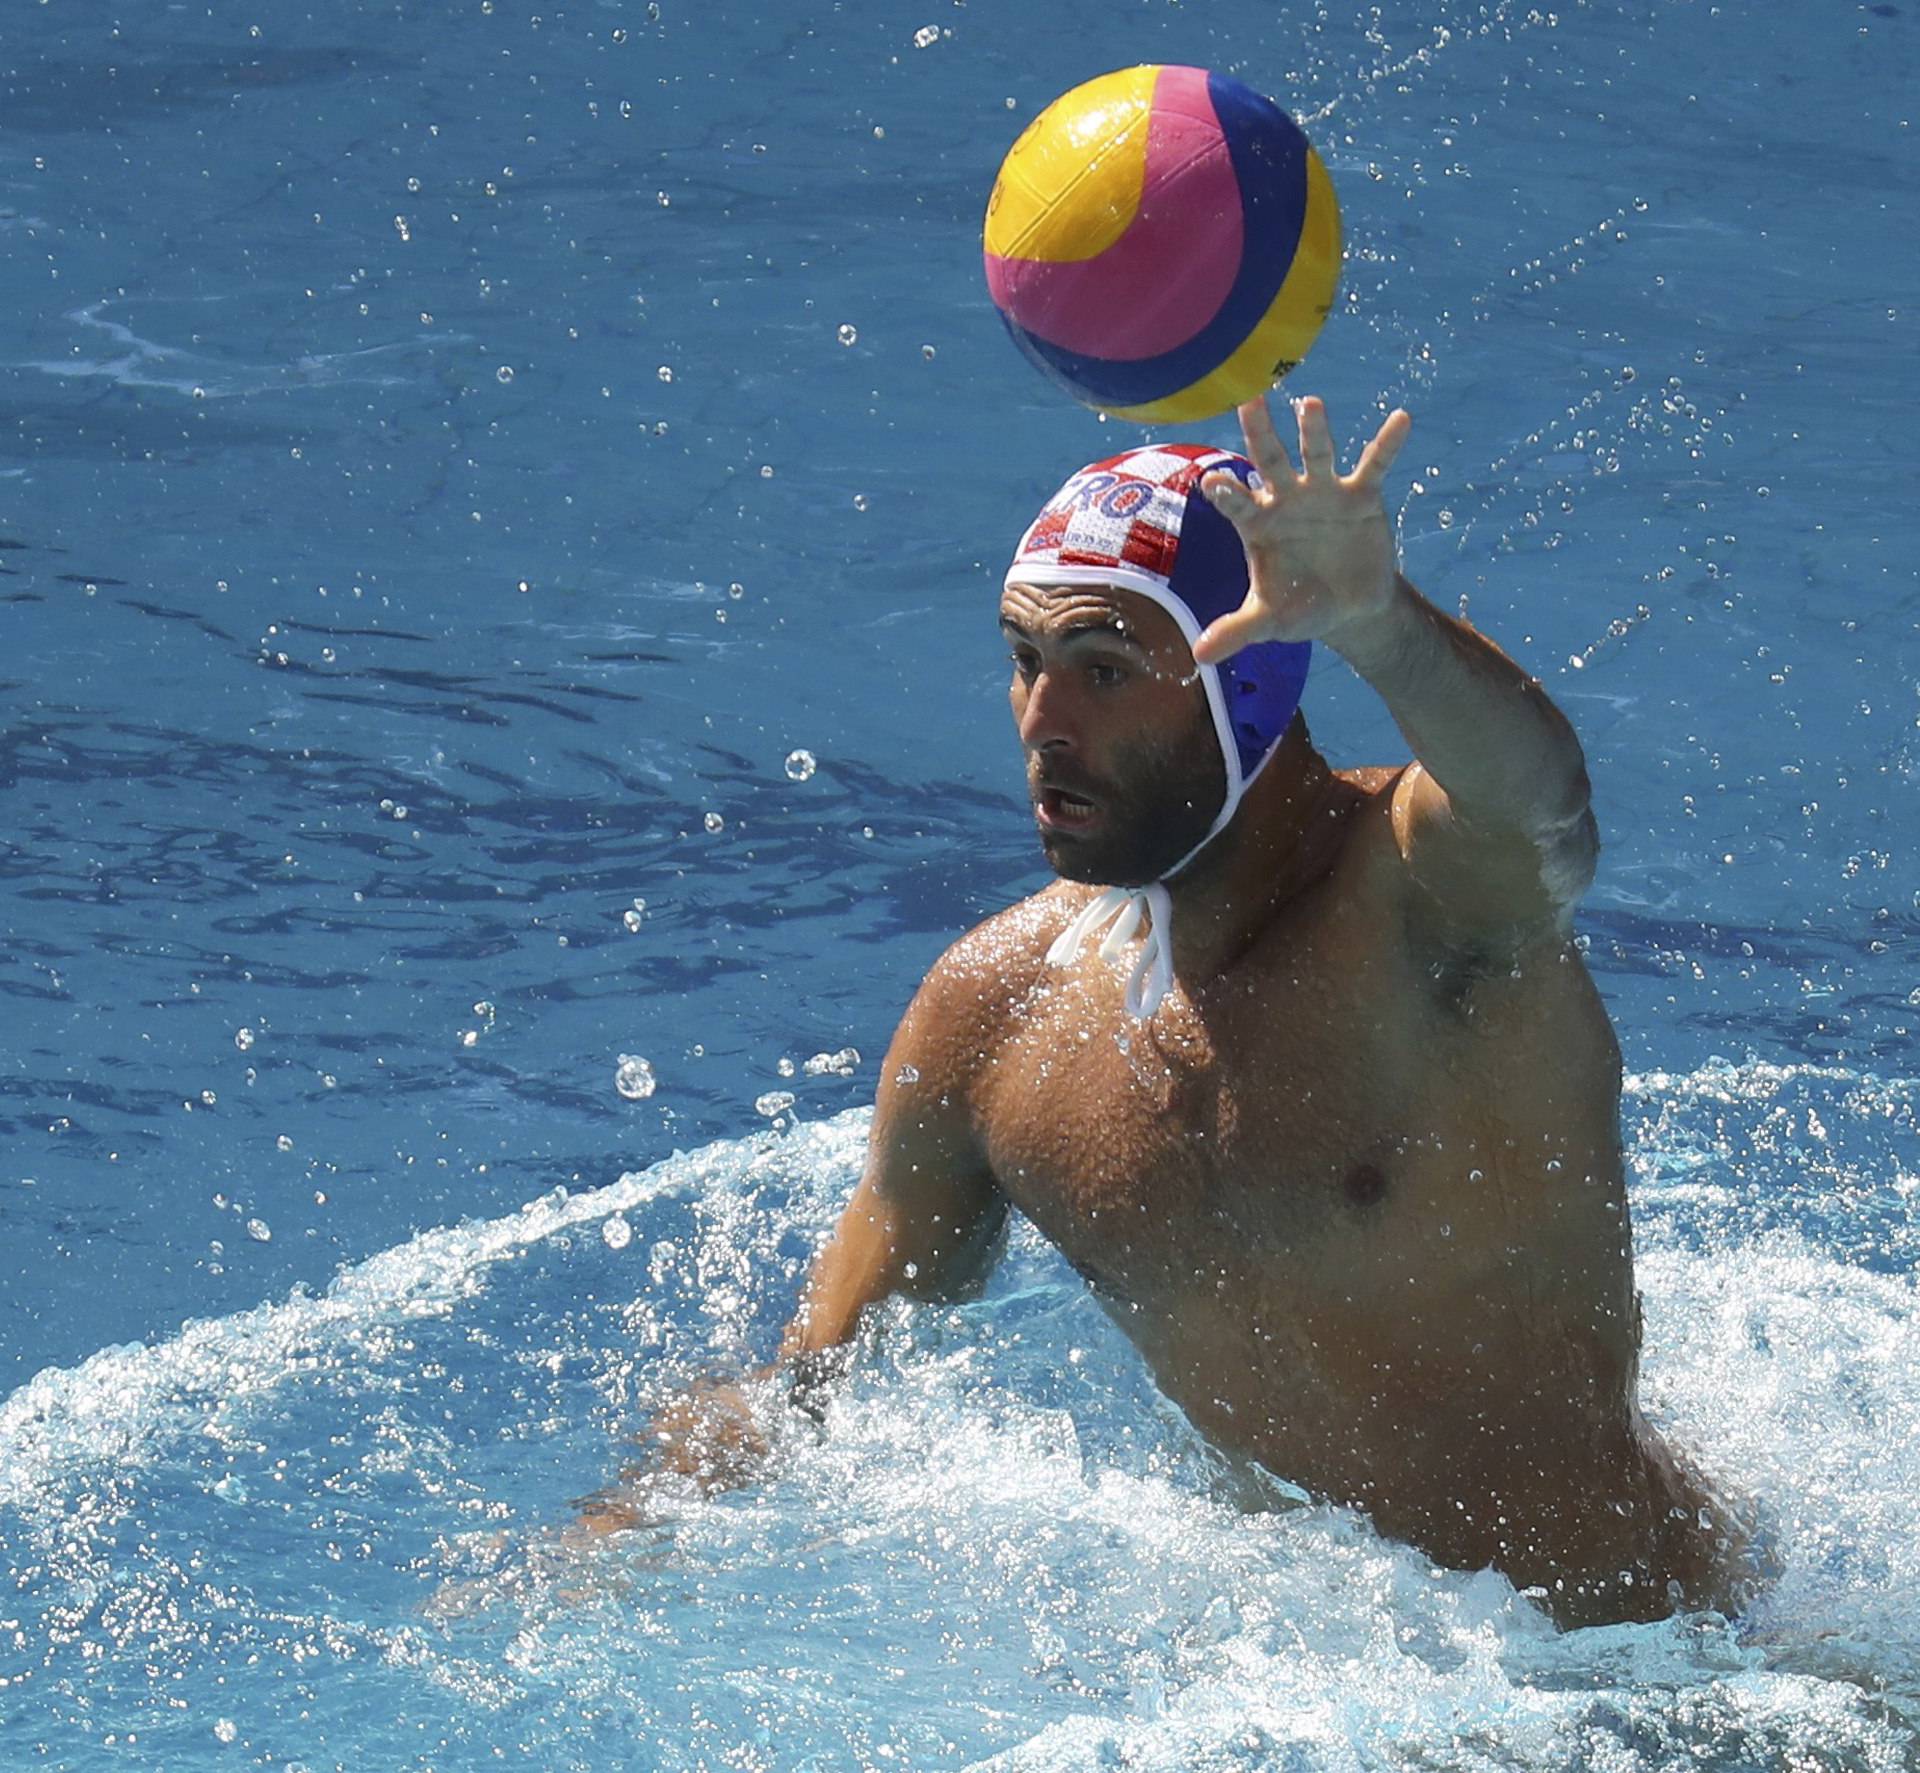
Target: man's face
x=1123 y=764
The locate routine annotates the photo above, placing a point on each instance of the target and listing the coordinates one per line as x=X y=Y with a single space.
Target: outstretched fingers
x=1316 y=439
x=1264 y=448
x=1378 y=456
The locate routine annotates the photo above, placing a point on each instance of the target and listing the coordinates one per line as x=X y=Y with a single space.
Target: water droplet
x=616 y=1233
x=849 y=335
x=632 y=919
x=766 y=470
x=859 y=501
x=503 y=374
x=284 y=1142
x=634 y=1079
x=928 y=352
x=244 y=1038
x=736 y=590
x=907 y=1074
x=801 y=765
x=469 y=1037
x=208 y=1098
x=664 y=373
x=260 y=1231
x=225 y=1729
x=879 y=133
x=840 y=1064
x=773 y=1102
x=926 y=36
x=785 y=1067
x=714 y=822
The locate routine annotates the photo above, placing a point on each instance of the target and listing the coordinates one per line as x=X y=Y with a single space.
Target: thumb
x=1230 y=634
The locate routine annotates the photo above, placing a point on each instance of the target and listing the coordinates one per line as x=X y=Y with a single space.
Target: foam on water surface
x=1003 y=1550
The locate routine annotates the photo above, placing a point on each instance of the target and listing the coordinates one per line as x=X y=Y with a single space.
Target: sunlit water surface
x=452 y=458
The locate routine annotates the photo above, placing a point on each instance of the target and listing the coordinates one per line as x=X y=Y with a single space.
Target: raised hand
x=1320 y=549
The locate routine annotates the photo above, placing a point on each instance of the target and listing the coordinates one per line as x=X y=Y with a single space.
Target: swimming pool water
x=372 y=646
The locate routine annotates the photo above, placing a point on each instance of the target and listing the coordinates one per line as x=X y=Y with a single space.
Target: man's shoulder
x=1001 y=959
x=986 y=979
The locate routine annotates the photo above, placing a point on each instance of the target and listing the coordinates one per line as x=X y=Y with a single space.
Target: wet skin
x=1355 y=1190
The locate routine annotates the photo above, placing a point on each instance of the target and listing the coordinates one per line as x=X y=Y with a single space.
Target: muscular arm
x=925 y=1215
x=1492 y=820
x=1495 y=816
x=923 y=1220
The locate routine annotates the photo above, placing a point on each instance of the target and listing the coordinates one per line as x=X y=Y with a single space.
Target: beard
x=1158 y=801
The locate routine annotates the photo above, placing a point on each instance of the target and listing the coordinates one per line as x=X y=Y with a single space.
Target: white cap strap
x=1152 y=975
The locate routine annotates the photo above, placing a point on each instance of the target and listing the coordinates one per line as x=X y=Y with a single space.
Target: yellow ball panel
x=1282 y=335
x=1070 y=185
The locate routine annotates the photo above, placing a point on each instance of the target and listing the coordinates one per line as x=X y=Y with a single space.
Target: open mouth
x=1061 y=811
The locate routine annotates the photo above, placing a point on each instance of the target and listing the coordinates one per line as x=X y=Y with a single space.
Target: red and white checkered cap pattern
x=1123 y=514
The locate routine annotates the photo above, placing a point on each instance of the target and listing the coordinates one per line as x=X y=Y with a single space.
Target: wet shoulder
x=983 y=986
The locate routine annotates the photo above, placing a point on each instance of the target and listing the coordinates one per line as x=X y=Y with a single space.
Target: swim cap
x=1140 y=521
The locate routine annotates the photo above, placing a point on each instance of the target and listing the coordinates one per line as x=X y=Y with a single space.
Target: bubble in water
x=664 y=373
x=503 y=374
x=773 y=1102
x=243 y=1038
x=260 y=1231
x=617 y=1233
x=801 y=765
x=736 y=590
x=634 y=1079
x=714 y=822
x=225 y=1729
x=849 y=335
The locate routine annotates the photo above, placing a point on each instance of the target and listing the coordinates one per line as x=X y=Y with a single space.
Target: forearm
x=1479 y=725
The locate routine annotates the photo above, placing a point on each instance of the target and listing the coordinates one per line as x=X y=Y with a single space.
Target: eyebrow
x=1076 y=633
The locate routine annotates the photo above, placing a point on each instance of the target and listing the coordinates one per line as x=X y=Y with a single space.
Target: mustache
x=1064 y=781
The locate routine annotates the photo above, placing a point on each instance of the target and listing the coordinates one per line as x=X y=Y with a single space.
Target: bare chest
x=1216 y=1143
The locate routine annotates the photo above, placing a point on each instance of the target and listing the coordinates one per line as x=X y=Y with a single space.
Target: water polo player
x=1298 y=1066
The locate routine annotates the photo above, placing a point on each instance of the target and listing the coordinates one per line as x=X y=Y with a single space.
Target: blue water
x=373 y=643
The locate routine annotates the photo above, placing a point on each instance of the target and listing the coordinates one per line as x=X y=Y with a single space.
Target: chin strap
x=1152 y=974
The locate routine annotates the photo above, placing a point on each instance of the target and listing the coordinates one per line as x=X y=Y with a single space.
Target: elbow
x=1569 y=859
